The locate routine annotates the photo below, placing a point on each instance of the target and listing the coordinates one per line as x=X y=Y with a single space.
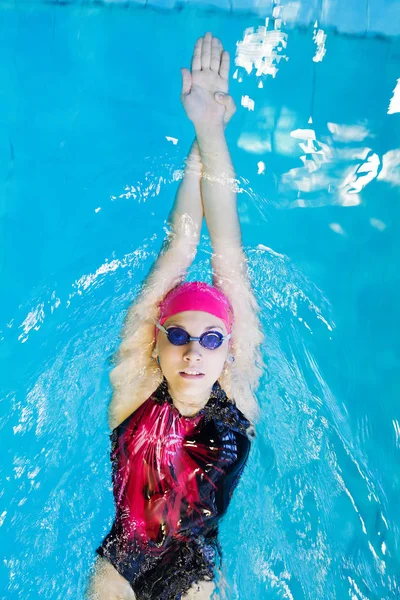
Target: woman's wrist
x=214 y=152
x=209 y=133
x=211 y=140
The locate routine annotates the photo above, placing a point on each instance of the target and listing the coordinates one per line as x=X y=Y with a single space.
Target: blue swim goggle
x=179 y=337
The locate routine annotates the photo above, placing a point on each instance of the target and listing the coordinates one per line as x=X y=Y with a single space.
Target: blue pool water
x=88 y=99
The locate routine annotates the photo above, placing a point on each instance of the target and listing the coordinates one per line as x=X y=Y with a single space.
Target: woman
x=183 y=387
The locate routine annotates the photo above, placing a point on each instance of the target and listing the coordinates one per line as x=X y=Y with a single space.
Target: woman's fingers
x=196 y=59
x=216 y=51
x=206 y=51
x=208 y=54
x=225 y=65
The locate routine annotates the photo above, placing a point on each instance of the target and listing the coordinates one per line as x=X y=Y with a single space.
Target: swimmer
x=183 y=389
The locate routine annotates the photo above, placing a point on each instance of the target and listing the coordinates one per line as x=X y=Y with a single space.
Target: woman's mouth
x=191 y=374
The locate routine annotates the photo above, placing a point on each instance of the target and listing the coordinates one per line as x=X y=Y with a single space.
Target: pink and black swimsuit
x=173 y=479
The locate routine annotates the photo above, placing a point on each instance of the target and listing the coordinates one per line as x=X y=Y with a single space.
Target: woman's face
x=175 y=359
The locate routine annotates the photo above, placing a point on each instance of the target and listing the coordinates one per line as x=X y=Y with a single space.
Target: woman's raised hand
x=208 y=79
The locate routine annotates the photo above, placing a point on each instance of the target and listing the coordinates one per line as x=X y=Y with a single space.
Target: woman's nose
x=193 y=351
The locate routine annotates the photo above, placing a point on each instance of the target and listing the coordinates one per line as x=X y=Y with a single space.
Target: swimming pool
x=92 y=148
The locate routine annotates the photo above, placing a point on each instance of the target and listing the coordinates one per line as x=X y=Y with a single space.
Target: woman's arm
x=218 y=189
x=184 y=222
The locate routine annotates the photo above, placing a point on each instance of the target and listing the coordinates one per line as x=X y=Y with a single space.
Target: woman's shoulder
x=134 y=418
x=124 y=425
x=127 y=399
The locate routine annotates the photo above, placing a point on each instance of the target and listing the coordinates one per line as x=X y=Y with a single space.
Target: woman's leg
x=200 y=591
x=107 y=584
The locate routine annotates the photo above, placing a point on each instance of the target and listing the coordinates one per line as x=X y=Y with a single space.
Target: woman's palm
x=209 y=74
x=210 y=80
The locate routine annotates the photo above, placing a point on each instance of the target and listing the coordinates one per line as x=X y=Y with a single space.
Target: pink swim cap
x=196 y=295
